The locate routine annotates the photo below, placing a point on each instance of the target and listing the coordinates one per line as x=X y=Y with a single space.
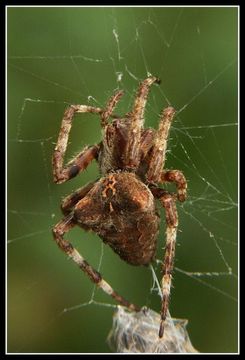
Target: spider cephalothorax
x=120 y=207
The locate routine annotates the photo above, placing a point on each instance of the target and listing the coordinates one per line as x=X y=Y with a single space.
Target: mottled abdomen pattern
x=121 y=210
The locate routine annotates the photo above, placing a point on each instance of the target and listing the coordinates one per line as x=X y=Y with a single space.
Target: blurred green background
x=81 y=55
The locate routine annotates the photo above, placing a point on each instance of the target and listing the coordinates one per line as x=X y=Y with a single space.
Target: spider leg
x=110 y=106
x=158 y=151
x=179 y=179
x=71 y=200
x=168 y=202
x=58 y=232
x=132 y=155
x=63 y=173
x=75 y=166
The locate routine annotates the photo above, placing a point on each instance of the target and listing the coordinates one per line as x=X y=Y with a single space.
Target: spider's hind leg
x=71 y=200
x=60 y=229
x=168 y=202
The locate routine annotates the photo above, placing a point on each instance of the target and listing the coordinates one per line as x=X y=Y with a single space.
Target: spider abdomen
x=136 y=243
x=121 y=210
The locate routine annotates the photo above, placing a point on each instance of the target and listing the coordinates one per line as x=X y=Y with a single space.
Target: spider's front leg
x=158 y=152
x=157 y=157
x=63 y=173
x=168 y=202
x=132 y=153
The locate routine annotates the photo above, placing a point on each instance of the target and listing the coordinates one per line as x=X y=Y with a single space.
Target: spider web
x=68 y=55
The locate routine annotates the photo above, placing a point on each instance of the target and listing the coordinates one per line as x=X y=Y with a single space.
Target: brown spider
x=120 y=206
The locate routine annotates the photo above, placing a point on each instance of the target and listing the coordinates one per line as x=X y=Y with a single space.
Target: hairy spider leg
x=110 y=106
x=71 y=200
x=158 y=152
x=179 y=179
x=63 y=173
x=171 y=232
x=132 y=153
x=58 y=232
x=168 y=202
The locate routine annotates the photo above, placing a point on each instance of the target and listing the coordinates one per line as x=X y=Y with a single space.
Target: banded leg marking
x=157 y=156
x=58 y=232
x=132 y=156
x=168 y=203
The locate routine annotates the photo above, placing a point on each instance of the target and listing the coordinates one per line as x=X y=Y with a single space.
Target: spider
x=120 y=207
